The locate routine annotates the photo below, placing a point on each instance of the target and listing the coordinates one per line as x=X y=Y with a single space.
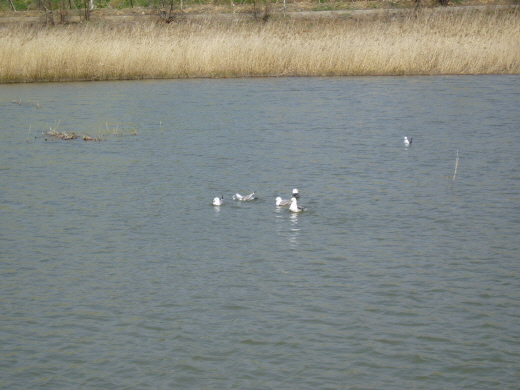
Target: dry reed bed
x=409 y=43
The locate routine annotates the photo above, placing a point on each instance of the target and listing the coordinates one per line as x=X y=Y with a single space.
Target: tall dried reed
x=407 y=43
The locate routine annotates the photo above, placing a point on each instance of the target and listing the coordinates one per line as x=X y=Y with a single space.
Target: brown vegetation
x=387 y=43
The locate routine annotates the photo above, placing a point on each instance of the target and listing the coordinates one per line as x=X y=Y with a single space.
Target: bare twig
x=456 y=166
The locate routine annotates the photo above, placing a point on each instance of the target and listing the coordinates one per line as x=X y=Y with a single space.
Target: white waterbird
x=218 y=201
x=244 y=198
x=407 y=142
x=294 y=206
x=282 y=202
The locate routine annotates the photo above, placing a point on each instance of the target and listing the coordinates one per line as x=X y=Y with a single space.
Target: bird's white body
x=244 y=198
x=294 y=206
x=407 y=142
x=282 y=202
x=218 y=201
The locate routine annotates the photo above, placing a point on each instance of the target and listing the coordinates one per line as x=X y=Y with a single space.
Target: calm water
x=116 y=272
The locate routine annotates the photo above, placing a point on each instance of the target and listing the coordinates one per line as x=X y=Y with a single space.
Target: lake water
x=116 y=272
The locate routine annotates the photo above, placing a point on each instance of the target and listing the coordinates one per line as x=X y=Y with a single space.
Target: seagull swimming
x=294 y=206
x=282 y=202
x=218 y=201
x=407 y=142
x=245 y=198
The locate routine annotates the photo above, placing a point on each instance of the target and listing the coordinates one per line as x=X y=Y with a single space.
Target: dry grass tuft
x=406 y=43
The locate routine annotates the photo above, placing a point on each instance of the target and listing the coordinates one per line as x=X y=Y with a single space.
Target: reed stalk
x=456 y=166
x=408 y=43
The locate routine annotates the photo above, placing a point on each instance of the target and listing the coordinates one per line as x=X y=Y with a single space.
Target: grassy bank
x=407 y=43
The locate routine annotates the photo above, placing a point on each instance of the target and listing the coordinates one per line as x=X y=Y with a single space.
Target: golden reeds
x=406 y=43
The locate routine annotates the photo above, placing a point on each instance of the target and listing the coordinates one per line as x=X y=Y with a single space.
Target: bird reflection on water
x=295 y=231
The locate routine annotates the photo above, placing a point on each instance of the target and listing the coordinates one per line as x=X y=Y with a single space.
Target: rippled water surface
x=116 y=271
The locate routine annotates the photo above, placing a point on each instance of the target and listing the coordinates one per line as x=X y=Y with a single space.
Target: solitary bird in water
x=407 y=142
x=218 y=201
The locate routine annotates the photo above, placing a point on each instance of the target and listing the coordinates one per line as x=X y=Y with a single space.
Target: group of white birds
x=292 y=203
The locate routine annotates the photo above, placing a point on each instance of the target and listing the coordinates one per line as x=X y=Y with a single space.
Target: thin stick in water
x=456 y=166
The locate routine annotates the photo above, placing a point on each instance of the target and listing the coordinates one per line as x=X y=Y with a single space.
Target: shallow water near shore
x=117 y=272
